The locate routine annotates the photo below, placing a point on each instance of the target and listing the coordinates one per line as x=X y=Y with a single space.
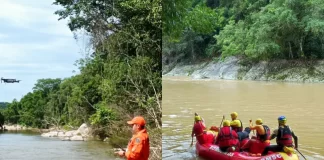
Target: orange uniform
x=139 y=146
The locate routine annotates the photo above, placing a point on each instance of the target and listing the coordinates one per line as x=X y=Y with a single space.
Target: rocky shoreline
x=83 y=133
x=235 y=68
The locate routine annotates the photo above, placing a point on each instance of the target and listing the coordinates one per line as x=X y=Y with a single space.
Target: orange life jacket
x=139 y=146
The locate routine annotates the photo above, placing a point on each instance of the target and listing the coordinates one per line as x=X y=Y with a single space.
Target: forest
x=119 y=80
x=199 y=30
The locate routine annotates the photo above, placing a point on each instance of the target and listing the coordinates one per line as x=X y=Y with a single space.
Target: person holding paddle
x=203 y=136
x=256 y=145
x=139 y=146
x=284 y=137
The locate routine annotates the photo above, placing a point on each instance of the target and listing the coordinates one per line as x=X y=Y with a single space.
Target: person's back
x=244 y=136
x=262 y=140
x=284 y=138
x=227 y=138
x=236 y=124
x=198 y=130
x=263 y=131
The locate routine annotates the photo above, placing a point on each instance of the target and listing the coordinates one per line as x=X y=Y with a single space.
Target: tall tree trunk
x=301 y=47
x=290 y=52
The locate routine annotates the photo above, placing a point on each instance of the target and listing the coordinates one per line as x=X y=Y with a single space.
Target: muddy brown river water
x=31 y=146
x=301 y=103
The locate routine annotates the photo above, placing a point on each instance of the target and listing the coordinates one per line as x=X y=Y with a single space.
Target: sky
x=35 y=45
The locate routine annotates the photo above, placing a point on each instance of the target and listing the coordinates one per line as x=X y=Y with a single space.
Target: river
x=301 y=103
x=31 y=146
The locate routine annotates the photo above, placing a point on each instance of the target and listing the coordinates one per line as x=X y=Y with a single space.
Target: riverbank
x=17 y=127
x=235 y=68
x=83 y=133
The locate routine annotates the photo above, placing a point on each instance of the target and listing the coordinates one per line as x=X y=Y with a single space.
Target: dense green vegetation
x=121 y=79
x=254 y=29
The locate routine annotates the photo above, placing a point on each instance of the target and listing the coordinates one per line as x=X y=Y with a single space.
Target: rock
x=66 y=139
x=84 y=130
x=256 y=72
x=236 y=68
x=82 y=134
x=50 y=134
x=60 y=134
x=45 y=135
x=69 y=133
x=76 y=138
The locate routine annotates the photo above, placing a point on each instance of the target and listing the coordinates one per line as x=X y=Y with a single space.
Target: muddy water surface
x=31 y=146
x=301 y=103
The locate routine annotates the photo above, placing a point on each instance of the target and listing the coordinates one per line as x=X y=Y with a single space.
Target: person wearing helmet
x=262 y=131
x=236 y=124
x=139 y=146
x=284 y=136
x=262 y=140
x=203 y=136
x=227 y=138
x=198 y=129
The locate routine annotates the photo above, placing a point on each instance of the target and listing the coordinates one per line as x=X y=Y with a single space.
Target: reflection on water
x=31 y=146
x=300 y=103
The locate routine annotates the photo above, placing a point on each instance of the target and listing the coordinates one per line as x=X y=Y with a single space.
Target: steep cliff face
x=234 y=68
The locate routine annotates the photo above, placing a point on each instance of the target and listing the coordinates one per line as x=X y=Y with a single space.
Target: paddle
x=252 y=126
x=196 y=114
x=192 y=137
x=220 y=125
x=300 y=153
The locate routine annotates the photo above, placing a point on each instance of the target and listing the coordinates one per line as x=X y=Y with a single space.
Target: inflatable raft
x=212 y=152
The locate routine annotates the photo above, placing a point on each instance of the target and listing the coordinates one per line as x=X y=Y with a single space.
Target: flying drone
x=6 y=80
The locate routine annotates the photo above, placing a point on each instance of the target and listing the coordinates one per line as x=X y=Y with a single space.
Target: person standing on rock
x=139 y=146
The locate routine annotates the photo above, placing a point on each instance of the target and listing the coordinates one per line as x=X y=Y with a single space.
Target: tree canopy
x=119 y=80
x=256 y=29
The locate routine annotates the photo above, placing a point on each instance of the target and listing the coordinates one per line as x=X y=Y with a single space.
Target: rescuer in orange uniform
x=139 y=146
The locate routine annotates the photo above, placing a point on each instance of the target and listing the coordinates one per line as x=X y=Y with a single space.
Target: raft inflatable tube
x=212 y=152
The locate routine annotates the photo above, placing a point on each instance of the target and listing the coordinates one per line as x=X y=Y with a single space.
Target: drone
x=5 y=80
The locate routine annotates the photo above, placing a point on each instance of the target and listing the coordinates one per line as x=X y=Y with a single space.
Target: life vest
x=265 y=136
x=227 y=139
x=238 y=129
x=139 y=146
x=284 y=136
x=198 y=130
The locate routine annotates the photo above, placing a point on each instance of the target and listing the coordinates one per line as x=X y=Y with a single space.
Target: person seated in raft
x=244 y=136
x=199 y=130
x=236 y=124
x=214 y=131
x=227 y=138
x=262 y=140
x=284 y=136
